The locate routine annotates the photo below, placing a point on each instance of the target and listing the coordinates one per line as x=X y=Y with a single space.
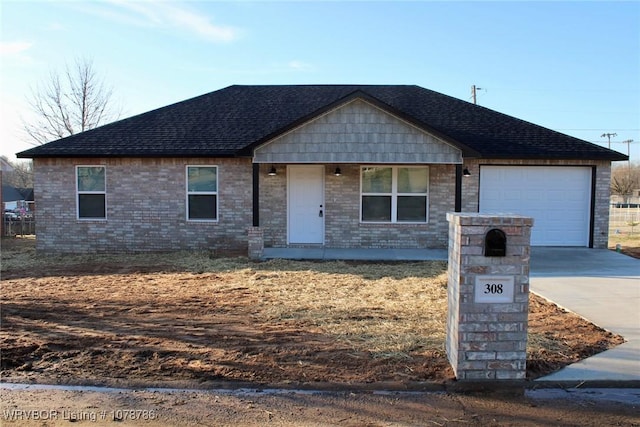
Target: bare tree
x=622 y=186
x=70 y=102
x=21 y=176
x=625 y=179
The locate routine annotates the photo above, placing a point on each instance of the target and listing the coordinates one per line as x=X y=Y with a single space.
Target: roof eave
x=226 y=154
x=612 y=158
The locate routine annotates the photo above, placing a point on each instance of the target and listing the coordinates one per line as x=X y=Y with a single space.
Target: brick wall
x=146 y=207
x=344 y=230
x=273 y=206
x=342 y=206
x=342 y=211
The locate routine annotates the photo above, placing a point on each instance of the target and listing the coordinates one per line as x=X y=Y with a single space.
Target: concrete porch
x=356 y=254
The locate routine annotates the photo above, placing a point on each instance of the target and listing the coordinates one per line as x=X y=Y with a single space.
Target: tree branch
x=74 y=101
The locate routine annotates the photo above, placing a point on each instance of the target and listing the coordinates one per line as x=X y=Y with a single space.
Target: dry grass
x=629 y=243
x=389 y=310
x=386 y=309
x=625 y=238
x=20 y=253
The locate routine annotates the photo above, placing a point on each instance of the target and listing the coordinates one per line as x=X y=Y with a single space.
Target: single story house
x=340 y=166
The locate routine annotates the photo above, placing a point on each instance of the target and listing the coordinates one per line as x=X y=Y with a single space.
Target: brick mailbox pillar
x=488 y=295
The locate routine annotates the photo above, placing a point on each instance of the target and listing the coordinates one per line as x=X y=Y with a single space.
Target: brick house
x=335 y=165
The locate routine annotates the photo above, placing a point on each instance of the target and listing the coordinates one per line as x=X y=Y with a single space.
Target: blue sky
x=569 y=66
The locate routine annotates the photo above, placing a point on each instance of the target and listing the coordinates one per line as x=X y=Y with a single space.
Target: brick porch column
x=256 y=242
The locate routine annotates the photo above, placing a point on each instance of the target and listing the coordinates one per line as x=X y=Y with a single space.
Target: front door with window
x=306 y=204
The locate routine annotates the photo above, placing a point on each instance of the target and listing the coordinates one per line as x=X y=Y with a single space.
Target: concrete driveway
x=603 y=287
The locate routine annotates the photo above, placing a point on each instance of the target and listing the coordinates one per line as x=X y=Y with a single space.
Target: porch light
x=337 y=172
x=272 y=171
x=466 y=173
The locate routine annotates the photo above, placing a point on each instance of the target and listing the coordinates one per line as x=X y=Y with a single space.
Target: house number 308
x=493 y=288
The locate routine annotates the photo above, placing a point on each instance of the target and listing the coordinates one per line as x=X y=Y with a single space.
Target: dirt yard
x=187 y=320
x=195 y=322
x=288 y=408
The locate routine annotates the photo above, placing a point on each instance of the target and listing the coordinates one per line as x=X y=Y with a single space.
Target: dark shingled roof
x=234 y=120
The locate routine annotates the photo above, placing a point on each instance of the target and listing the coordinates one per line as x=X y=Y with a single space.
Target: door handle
x=320 y=213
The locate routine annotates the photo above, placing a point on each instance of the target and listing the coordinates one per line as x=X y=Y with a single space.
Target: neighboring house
x=5 y=166
x=17 y=198
x=336 y=165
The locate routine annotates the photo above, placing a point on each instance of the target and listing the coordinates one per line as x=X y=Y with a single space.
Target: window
x=395 y=194
x=202 y=193
x=92 y=192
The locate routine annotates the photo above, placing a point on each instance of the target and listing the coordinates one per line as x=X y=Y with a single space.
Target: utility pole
x=473 y=93
x=608 y=135
x=628 y=142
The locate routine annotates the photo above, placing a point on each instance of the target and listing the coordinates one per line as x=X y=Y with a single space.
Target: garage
x=558 y=198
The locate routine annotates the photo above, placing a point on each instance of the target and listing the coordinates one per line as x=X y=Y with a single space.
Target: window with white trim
x=396 y=194
x=202 y=193
x=91 y=185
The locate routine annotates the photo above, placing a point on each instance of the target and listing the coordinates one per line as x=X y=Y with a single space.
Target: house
x=366 y=166
x=17 y=198
x=5 y=166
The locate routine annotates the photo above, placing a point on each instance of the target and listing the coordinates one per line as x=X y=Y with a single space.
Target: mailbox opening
x=495 y=243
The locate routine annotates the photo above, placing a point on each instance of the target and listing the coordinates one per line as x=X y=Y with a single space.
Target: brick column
x=256 y=242
x=488 y=298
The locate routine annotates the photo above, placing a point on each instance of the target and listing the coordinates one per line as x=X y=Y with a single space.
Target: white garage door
x=558 y=198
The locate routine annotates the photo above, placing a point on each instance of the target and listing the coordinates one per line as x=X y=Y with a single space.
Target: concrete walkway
x=603 y=287
x=597 y=284
x=322 y=253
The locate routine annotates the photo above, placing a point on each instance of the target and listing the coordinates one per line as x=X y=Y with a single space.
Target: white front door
x=306 y=203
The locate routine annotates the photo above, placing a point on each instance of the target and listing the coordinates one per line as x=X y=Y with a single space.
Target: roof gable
x=357 y=132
